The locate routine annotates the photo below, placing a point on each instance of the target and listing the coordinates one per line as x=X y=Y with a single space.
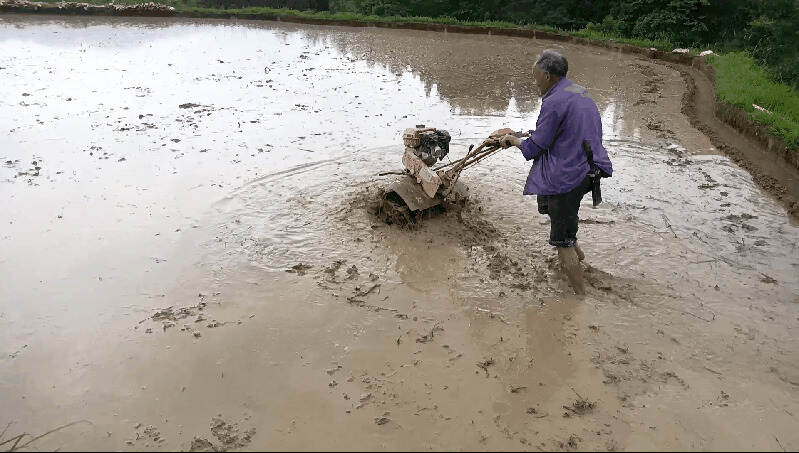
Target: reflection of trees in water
x=472 y=73
x=124 y=33
x=476 y=74
x=479 y=74
x=83 y=22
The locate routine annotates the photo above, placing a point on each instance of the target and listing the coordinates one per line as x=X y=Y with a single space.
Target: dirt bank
x=190 y=261
x=747 y=144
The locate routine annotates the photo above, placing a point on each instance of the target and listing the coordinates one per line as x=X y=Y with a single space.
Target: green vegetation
x=592 y=32
x=350 y=16
x=741 y=82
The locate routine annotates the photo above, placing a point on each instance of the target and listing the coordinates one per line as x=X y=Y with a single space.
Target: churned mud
x=192 y=260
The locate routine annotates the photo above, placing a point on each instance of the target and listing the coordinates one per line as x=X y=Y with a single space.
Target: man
x=568 y=135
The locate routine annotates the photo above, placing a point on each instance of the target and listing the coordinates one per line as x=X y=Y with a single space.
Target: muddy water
x=190 y=164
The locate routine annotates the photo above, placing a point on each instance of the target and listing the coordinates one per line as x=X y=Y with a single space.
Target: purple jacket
x=568 y=116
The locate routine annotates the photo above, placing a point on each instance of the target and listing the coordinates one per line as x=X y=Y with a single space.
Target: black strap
x=594 y=174
x=593 y=169
x=589 y=155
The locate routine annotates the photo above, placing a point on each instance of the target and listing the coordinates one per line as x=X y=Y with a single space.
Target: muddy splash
x=181 y=194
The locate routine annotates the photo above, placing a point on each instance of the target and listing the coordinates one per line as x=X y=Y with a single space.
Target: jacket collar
x=561 y=84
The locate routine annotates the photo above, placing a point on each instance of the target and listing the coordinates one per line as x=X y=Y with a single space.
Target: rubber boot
x=570 y=265
x=580 y=254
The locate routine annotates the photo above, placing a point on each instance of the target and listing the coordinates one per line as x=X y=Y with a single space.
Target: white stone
x=757 y=107
x=707 y=52
x=681 y=50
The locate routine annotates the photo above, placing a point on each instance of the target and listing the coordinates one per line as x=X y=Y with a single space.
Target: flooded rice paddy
x=160 y=177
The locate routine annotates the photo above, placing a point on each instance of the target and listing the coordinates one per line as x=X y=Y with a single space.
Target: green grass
x=742 y=82
x=184 y=6
x=660 y=44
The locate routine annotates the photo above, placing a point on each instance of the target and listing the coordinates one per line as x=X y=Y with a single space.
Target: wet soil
x=769 y=170
x=194 y=264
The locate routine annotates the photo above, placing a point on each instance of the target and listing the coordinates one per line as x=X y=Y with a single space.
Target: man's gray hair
x=553 y=62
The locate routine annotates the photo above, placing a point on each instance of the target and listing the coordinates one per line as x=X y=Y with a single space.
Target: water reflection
x=475 y=75
x=482 y=75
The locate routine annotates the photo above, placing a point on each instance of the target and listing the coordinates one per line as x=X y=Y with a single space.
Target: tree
x=773 y=38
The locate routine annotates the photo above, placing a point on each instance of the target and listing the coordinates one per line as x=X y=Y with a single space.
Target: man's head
x=550 y=67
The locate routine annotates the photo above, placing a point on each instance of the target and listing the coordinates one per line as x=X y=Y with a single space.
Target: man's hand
x=501 y=132
x=509 y=140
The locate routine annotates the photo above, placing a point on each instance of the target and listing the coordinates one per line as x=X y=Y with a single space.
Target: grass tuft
x=742 y=82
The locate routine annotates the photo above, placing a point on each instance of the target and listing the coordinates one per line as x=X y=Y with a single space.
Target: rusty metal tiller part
x=420 y=186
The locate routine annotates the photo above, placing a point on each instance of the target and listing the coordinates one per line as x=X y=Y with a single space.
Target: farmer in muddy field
x=567 y=154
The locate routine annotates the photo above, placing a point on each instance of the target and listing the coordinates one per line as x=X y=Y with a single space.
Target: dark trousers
x=563 y=212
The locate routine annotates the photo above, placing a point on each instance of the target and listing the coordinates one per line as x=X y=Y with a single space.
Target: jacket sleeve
x=546 y=127
x=529 y=149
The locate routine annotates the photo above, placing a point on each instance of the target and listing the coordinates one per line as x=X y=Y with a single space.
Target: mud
x=766 y=162
x=389 y=208
x=251 y=149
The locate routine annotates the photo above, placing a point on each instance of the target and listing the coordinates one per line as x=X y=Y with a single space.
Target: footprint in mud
x=150 y=436
x=579 y=408
x=299 y=269
x=228 y=437
x=333 y=269
x=30 y=173
x=170 y=316
x=572 y=443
